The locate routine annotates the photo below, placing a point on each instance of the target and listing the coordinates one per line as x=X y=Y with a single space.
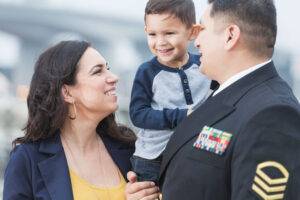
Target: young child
x=166 y=87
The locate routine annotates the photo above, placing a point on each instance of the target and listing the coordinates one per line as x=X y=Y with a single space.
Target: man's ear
x=195 y=31
x=232 y=36
x=65 y=90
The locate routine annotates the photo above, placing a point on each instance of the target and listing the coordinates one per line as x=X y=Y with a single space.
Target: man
x=243 y=143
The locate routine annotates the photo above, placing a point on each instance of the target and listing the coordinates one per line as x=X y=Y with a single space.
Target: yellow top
x=82 y=190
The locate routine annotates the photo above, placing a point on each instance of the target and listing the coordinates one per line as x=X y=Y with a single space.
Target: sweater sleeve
x=141 y=113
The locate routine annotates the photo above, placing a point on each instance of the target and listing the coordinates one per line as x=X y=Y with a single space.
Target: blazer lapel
x=54 y=170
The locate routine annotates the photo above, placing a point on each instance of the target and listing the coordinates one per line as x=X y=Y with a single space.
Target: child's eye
x=170 y=33
x=151 y=34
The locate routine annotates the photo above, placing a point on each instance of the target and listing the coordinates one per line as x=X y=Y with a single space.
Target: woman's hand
x=145 y=190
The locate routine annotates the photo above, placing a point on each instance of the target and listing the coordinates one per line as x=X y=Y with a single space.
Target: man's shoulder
x=272 y=92
x=266 y=105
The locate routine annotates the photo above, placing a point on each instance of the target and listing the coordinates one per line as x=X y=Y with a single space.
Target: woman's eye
x=97 y=71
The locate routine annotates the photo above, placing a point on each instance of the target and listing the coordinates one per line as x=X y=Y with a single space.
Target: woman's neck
x=81 y=135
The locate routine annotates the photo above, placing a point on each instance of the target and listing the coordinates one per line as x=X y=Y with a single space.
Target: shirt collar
x=239 y=75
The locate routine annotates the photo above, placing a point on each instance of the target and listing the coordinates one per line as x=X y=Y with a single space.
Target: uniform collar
x=231 y=94
x=239 y=75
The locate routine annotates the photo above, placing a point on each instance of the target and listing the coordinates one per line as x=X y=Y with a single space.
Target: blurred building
x=121 y=41
x=27 y=27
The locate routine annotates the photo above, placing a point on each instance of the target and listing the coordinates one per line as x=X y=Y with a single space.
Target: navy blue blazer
x=39 y=170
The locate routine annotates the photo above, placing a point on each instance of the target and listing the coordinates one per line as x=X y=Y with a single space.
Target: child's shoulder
x=148 y=67
x=145 y=65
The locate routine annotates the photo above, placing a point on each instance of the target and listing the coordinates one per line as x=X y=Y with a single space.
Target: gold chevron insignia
x=263 y=185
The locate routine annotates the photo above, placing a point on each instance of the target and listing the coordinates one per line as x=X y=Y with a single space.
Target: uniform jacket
x=261 y=160
x=39 y=170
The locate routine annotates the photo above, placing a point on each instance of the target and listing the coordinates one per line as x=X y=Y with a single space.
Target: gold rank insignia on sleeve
x=270 y=188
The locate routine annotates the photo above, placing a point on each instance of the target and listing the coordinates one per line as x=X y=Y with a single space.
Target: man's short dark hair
x=182 y=9
x=255 y=18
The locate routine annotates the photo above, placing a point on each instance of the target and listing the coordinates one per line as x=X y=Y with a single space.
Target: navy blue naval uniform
x=261 y=160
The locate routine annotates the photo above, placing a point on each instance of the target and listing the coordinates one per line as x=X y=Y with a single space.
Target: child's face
x=168 y=39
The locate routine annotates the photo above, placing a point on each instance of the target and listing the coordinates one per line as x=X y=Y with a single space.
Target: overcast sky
x=288 y=38
x=287 y=10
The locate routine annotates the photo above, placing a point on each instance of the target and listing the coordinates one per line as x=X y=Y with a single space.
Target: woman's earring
x=72 y=117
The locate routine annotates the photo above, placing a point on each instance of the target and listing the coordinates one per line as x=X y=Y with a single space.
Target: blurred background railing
x=115 y=28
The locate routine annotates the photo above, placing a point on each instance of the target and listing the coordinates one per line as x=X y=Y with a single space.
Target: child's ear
x=145 y=29
x=195 y=31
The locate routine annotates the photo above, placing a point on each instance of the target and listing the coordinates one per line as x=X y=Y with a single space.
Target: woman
x=72 y=148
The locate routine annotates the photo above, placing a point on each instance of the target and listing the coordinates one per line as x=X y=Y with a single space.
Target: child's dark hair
x=182 y=9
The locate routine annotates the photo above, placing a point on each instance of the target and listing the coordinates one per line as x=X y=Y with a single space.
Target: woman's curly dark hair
x=47 y=109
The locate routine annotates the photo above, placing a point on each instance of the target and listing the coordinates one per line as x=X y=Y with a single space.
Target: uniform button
x=187 y=90
x=185 y=81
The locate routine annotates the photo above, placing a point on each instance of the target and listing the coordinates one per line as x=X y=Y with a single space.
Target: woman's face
x=95 y=87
